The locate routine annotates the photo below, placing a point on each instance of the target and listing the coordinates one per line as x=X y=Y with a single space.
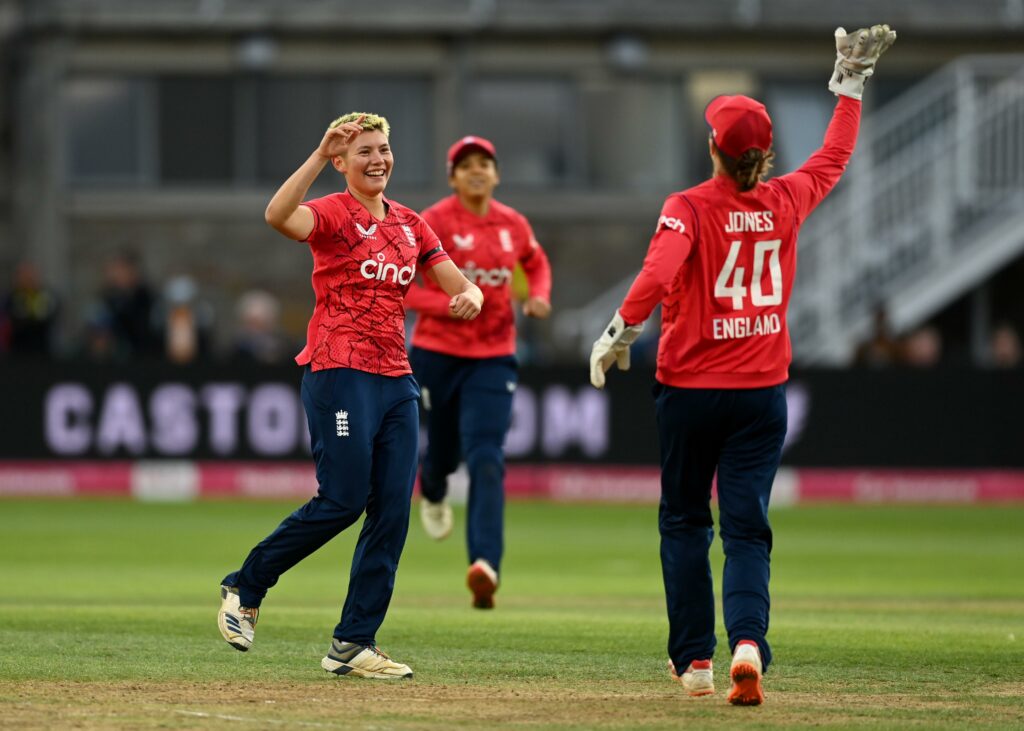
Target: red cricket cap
x=739 y=123
x=466 y=145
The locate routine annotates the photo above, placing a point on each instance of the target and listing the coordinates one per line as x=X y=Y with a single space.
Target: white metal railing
x=932 y=203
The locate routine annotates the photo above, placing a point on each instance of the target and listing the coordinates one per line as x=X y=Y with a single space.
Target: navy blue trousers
x=364 y=430
x=468 y=405
x=739 y=433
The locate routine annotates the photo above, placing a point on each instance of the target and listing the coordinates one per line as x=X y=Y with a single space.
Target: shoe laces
x=250 y=613
x=377 y=651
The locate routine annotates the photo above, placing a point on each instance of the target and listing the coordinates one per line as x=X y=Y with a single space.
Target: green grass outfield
x=883 y=617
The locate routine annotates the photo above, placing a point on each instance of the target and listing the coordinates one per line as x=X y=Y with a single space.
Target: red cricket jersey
x=722 y=264
x=486 y=249
x=361 y=270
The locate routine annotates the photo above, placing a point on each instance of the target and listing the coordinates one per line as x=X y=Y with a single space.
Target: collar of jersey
x=350 y=201
x=457 y=204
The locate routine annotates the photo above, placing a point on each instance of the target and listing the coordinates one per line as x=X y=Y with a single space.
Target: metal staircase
x=932 y=204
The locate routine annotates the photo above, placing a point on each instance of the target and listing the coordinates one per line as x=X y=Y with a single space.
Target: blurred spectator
x=923 y=348
x=1005 y=350
x=99 y=344
x=28 y=315
x=259 y=339
x=881 y=349
x=185 y=321
x=128 y=301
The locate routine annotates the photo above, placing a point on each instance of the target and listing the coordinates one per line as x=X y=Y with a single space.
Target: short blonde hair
x=370 y=122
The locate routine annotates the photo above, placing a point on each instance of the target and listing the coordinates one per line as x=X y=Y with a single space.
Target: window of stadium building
x=290 y=118
x=175 y=130
x=292 y=113
x=195 y=129
x=800 y=113
x=407 y=103
x=105 y=135
x=533 y=123
x=656 y=157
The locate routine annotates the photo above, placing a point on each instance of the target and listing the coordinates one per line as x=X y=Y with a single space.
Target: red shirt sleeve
x=327 y=217
x=670 y=247
x=425 y=296
x=809 y=184
x=432 y=252
x=536 y=265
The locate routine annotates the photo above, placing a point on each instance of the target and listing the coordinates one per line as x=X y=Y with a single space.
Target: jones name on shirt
x=734 y=328
x=740 y=221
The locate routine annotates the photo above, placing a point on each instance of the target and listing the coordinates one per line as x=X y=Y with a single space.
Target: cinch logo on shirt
x=378 y=270
x=670 y=222
x=492 y=277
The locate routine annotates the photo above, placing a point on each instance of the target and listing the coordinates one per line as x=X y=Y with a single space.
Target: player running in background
x=721 y=263
x=357 y=388
x=468 y=370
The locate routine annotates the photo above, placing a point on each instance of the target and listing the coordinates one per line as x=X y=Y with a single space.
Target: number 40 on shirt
x=730 y=281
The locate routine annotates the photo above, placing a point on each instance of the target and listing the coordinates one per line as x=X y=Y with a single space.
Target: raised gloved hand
x=612 y=347
x=856 y=54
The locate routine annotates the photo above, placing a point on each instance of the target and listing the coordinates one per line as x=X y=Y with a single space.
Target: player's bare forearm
x=427 y=301
x=448 y=278
x=283 y=207
x=466 y=297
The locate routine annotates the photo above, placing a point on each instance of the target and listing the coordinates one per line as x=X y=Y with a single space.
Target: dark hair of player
x=749 y=168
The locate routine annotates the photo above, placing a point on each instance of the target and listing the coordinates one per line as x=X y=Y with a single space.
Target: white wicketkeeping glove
x=856 y=54
x=612 y=347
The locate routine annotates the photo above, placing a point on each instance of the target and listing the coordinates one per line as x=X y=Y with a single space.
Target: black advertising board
x=888 y=418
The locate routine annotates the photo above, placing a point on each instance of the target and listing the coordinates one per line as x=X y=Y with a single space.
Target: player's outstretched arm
x=856 y=56
x=285 y=212
x=466 y=298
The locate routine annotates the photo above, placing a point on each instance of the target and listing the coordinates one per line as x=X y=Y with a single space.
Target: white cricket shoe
x=698 y=678
x=745 y=673
x=237 y=623
x=482 y=580
x=362 y=661
x=436 y=518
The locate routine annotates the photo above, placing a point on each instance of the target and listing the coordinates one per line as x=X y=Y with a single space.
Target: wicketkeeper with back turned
x=721 y=263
